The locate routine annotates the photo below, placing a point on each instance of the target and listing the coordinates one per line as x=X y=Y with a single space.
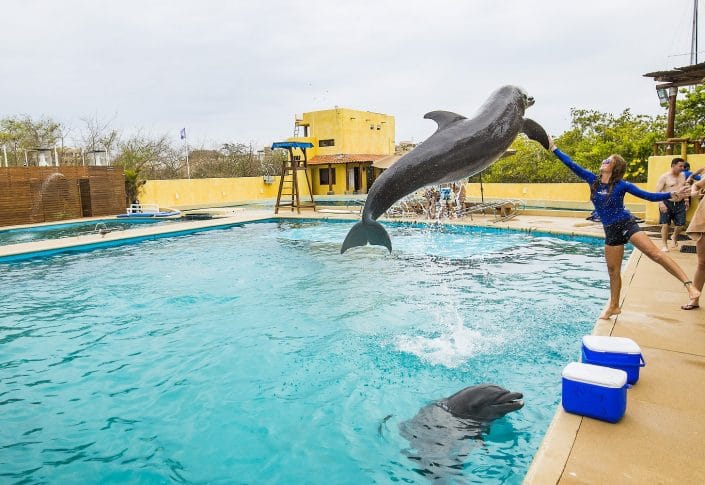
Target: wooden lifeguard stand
x=289 y=180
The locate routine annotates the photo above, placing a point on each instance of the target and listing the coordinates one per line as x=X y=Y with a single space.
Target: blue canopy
x=291 y=144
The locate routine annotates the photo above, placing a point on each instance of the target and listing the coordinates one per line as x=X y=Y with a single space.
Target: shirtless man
x=672 y=181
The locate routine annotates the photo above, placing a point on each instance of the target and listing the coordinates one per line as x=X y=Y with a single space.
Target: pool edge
x=550 y=459
x=50 y=247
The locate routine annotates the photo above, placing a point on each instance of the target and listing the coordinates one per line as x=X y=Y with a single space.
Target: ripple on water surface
x=259 y=353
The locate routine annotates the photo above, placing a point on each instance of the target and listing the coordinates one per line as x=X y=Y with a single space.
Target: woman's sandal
x=689 y=306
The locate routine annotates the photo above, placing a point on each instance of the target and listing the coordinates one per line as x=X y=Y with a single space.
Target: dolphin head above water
x=515 y=95
x=443 y=433
x=485 y=402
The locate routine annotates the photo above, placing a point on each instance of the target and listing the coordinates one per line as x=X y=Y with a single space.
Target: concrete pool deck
x=662 y=437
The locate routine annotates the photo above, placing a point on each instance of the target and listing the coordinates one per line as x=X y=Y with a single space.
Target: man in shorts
x=672 y=181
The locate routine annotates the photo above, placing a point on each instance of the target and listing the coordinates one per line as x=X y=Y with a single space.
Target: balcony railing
x=681 y=146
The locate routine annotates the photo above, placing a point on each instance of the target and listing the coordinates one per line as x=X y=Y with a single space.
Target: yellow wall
x=352 y=134
x=185 y=193
x=660 y=164
x=547 y=195
x=351 y=131
x=338 y=186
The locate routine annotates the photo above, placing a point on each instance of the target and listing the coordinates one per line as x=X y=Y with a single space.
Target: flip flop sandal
x=690 y=306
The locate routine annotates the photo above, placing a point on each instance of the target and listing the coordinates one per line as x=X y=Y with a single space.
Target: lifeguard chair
x=289 y=182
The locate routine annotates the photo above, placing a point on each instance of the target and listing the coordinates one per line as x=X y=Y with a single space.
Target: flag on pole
x=182 y=133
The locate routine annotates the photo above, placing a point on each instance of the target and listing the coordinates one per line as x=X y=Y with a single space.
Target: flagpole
x=183 y=137
x=188 y=167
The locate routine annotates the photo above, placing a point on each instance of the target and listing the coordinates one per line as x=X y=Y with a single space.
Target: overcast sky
x=232 y=70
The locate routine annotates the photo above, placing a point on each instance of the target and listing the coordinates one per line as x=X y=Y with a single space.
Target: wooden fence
x=45 y=194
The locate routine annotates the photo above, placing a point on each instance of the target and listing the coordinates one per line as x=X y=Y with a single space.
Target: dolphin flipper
x=535 y=132
x=365 y=232
x=443 y=118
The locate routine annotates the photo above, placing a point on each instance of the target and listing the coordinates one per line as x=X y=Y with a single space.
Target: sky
x=239 y=71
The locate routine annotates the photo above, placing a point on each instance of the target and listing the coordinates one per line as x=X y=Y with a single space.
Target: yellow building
x=346 y=143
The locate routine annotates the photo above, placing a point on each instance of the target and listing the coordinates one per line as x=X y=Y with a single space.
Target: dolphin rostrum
x=443 y=433
x=459 y=148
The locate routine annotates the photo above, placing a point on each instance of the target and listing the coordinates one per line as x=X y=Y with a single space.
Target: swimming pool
x=69 y=229
x=260 y=354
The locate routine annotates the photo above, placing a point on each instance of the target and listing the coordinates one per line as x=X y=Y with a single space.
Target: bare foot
x=609 y=312
x=693 y=292
x=674 y=241
x=665 y=249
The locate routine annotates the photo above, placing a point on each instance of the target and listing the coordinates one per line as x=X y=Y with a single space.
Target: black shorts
x=675 y=212
x=618 y=234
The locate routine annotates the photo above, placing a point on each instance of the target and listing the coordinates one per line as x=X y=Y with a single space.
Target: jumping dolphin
x=459 y=148
x=443 y=433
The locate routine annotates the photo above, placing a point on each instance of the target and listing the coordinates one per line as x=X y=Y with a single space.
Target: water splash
x=47 y=181
x=451 y=346
x=40 y=194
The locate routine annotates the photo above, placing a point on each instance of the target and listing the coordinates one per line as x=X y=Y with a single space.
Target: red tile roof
x=344 y=158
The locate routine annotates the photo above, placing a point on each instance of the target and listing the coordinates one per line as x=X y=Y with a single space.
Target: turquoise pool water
x=259 y=354
x=69 y=229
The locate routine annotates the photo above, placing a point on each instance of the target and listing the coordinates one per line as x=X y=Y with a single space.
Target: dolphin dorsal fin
x=443 y=118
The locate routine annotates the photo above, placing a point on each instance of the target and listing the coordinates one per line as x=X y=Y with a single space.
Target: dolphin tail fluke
x=535 y=132
x=366 y=232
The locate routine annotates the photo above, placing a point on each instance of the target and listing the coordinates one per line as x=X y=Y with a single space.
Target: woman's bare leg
x=699 y=278
x=614 y=256
x=644 y=244
x=664 y=236
x=676 y=232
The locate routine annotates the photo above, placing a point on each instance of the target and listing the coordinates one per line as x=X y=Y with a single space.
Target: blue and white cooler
x=595 y=391
x=616 y=352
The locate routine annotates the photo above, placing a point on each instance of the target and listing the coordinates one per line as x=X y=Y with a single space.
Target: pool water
x=259 y=354
x=69 y=229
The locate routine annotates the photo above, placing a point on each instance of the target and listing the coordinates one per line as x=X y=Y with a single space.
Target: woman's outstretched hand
x=681 y=194
x=551 y=144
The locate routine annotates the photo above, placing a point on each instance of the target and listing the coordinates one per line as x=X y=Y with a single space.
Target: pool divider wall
x=213 y=225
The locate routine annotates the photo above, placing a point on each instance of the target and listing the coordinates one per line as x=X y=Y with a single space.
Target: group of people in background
x=671 y=211
x=446 y=201
x=674 y=191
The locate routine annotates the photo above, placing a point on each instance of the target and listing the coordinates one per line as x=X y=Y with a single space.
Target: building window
x=326 y=143
x=324 y=179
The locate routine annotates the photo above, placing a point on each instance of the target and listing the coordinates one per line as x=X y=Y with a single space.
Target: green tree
x=595 y=135
x=592 y=137
x=133 y=182
x=145 y=157
x=690 y=113
x=19 y=133
x=531 y=163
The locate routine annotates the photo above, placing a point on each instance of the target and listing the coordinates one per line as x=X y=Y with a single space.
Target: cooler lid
x=618 y=345
x=595 y=374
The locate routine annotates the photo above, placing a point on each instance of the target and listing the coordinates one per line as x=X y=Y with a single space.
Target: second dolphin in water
x=459 y=148
x=443 y=433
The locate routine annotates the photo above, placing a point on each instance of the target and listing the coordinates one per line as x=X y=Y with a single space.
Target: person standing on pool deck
x=672 y=181
x=607 y=192
x=696 y=231
x=692 y=177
